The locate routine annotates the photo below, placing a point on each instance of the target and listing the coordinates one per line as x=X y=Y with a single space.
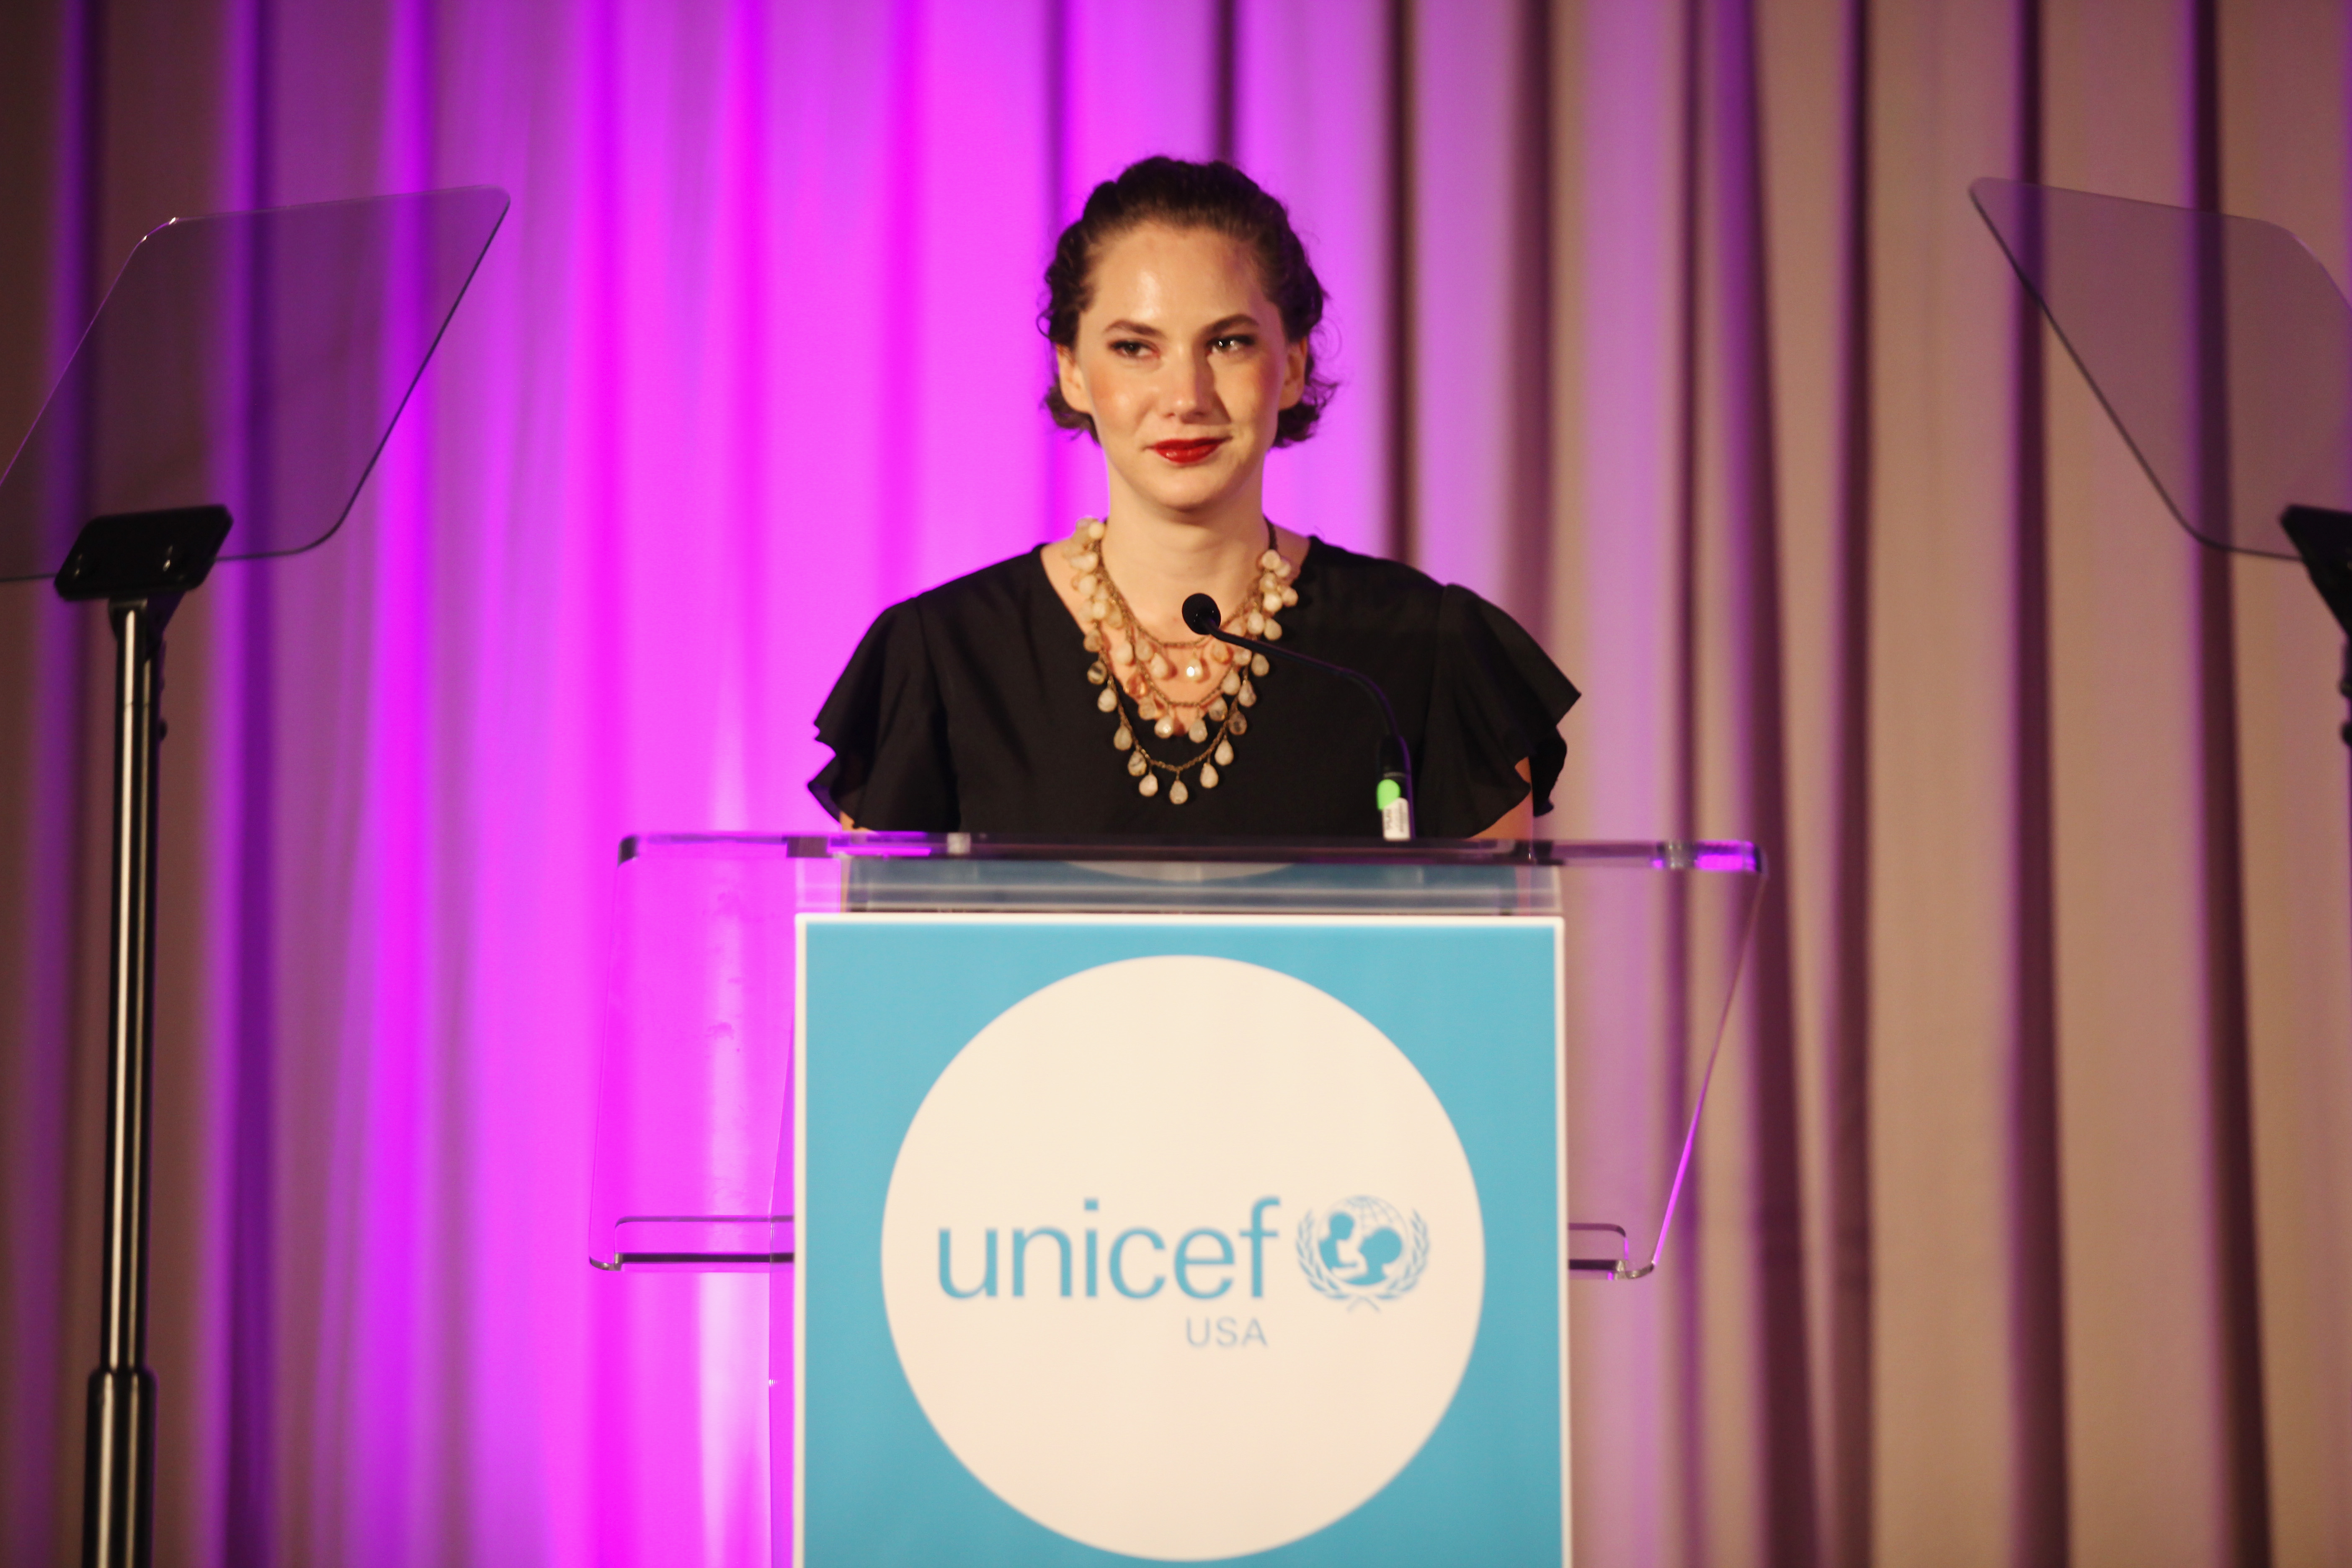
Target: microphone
x=1393 y=795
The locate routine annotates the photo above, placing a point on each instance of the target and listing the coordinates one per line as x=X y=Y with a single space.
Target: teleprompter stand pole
x=119 y=1476
x=140 y=564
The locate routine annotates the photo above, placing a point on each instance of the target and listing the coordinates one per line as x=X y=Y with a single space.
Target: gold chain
x=1105 y=612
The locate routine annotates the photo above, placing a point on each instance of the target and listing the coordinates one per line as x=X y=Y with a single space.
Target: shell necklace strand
x=1130 y=659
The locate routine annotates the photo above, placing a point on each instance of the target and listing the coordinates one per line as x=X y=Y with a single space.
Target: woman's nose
x=1193 y=382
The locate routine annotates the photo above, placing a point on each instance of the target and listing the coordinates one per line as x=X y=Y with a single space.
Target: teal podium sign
x=1169 y=1239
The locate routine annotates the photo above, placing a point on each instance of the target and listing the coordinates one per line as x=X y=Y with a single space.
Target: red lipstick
x=1184 y=454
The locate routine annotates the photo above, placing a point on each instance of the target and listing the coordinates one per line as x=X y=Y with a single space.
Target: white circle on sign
x=1226 y=1374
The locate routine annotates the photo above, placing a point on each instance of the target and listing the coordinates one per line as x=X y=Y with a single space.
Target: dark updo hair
x=1214 y=197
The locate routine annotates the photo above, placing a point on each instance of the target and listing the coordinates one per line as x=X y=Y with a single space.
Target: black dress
x=968 y=708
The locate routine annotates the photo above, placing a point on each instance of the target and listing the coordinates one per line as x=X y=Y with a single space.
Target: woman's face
x=1180 y=361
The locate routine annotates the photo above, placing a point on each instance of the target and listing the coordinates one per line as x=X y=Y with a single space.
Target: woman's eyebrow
x=1229 y=323
x=1130 y=329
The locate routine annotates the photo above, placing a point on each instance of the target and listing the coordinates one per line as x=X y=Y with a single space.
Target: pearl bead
x=1093 y=642
x=1208 y=775
x=1124 y=738
x=1271 y=559
x=1231 y=684
x=1176 y=793
x=1097 y=673
x=1147 y=709
x=1256 y=621
x=1094 y=528
x=1257 y=664
x=1099 y=610
x=1271 y=602
x=1237 y=725
x=1274 y=631
x=1159 y=666
x=1148 y=786
x=1224 y=753
x=1289 y=597
x=1089 y=585
x=1192 y=670
x=1197 y=732
x=1248 y=699
x=1216 y=707
x=1109 y=700
x=1136 y=766
x=1165 y=728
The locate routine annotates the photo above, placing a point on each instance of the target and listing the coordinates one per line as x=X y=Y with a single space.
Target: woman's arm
x=1519 y=822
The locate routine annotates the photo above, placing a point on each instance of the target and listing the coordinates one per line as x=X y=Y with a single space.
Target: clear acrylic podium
x=693 y=1163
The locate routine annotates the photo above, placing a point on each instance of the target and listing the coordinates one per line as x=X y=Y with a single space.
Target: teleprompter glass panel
x=254 y=361
x=2219 y=345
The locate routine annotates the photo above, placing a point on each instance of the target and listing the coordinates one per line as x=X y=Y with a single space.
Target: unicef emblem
x=1362 y=1251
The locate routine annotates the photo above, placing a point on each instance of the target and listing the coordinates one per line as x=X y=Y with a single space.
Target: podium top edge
x=1732 y=856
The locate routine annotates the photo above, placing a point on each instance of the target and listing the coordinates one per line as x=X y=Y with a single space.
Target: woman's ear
x=1294 y=374
x=1074 y=385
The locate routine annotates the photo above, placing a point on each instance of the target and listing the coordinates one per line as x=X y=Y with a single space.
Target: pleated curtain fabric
x=2020 y=1226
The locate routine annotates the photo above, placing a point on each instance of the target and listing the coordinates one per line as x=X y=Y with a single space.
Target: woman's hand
x=1519 y=822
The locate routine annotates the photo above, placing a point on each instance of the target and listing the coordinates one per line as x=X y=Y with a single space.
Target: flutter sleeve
x=892 y=767
x=1497 y=700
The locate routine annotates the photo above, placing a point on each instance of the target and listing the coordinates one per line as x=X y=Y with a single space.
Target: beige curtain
x=2024 y=1224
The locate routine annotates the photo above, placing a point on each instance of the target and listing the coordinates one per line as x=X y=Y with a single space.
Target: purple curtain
x=2020 y=1232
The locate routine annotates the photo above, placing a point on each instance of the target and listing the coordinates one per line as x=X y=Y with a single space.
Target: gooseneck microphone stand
x=140 y=564
x=1393 y=795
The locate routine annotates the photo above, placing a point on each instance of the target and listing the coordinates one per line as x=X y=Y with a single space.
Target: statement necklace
x=1130 y=660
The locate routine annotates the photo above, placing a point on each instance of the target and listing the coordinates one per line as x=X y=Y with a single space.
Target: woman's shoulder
x=1355 y=585
x=1003 y=587
x=903 y=643
x=1347 y=587
x=887 y=717
x=1416 y=618
x=1353 y=569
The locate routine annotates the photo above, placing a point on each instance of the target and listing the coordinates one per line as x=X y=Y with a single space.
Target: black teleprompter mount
x=2323 y=539
x=140 y=564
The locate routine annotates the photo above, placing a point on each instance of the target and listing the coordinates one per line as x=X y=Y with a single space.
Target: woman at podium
x=1061 y=693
